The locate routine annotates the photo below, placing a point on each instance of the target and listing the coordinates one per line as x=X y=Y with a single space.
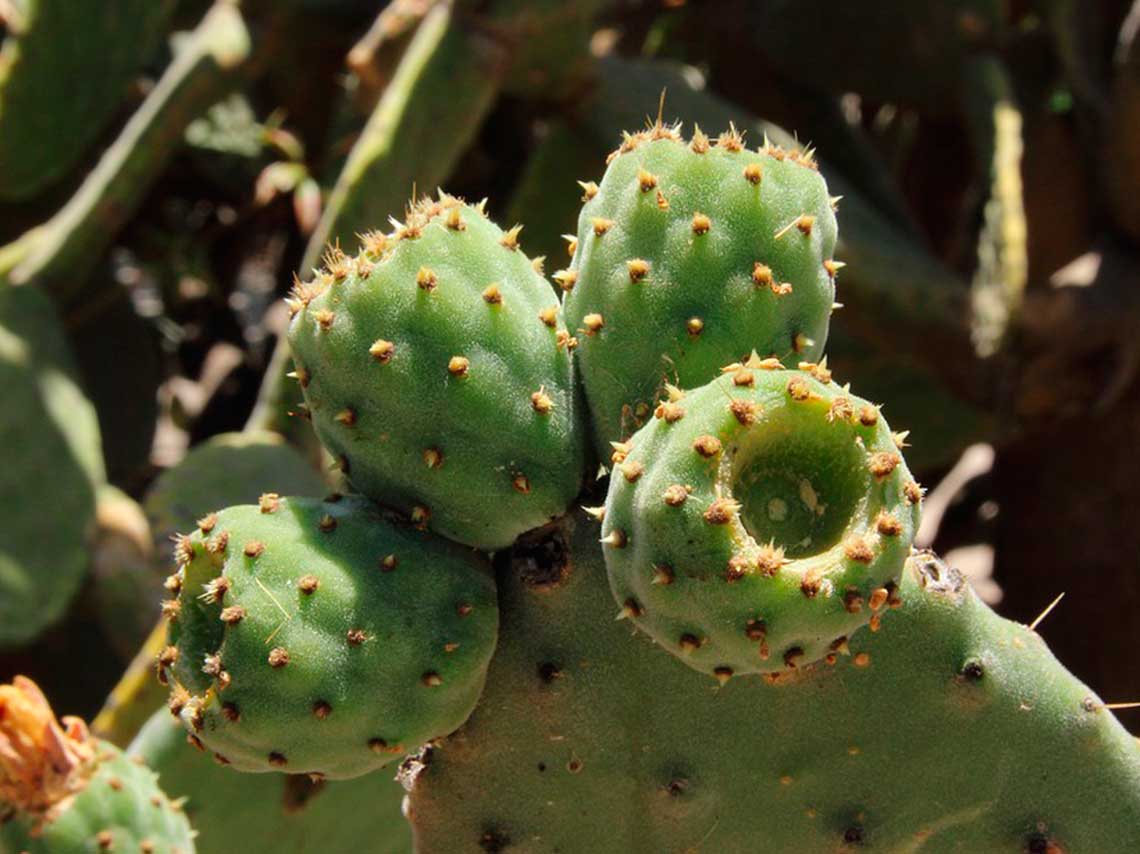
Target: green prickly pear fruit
x=62 y=790
x=436 y=368
x=758 y=521
x=689 y=256
x=322 y=637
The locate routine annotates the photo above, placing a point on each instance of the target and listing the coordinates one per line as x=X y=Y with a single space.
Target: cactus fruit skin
x=436 y=368
x=321 y=637
x=759 y=521
x=951 y=730
x=689 y=256
x=273 y=812
x=46 y=122
x=62 y=790
x=49 y=426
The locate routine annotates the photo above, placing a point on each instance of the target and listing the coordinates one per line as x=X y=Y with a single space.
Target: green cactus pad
x=437 y=370
x=226 y=469
x=63 y=791
x=46 y=119
x=51 y=470
x=759 y=521
x=322 y=637
x=952 y=730
x=692 y=255
x=278 y=813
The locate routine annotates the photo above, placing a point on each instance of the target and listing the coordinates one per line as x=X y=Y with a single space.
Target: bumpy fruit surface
x=759 y=521
x=322 y=637
x=692 y=255
x=436 y=368
x=62 y=790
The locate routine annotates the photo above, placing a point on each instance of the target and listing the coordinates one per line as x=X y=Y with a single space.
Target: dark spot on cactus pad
x=1040 y=843
x=677 y=787
x=548 y=671
x=854 y=835
x=494 y=840
x=541 y=558
x=973 y=671
x=298 y=790
x=277 y=760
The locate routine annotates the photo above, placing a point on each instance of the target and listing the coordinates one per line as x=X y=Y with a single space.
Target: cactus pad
x=46 y=120
x=48 y=426
x=759 y=521
x=62 y=790
x=279 y=813
x=950 y=730
x=436 y=369
x=692 y=255
x=322 y=637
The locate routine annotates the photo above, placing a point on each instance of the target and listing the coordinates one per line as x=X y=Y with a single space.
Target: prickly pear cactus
x=322 y=637
x=436 y=368
x=690 y=255
x=48 y=426
x=46 y=120
x=282 y=813
x=63 y=791
x=950 y=730
x=759 y=520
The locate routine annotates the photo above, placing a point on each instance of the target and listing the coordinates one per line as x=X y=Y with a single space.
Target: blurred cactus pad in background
x=598 y=426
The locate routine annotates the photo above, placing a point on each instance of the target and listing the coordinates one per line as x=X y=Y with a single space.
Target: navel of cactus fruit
x=321 y=637
x=63 y=790
x=758 y=521
x=690 y=255
x=436 y=368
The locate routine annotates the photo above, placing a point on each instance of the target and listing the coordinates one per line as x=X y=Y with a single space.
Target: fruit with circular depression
x=758 y=521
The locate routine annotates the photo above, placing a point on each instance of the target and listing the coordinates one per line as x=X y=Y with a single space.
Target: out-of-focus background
x=167 y=167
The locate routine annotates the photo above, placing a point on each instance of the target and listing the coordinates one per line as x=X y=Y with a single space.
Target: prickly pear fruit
x=322 y=637
x=437 y=370
x=692 y=255
x=758 y=521
x=62 y=790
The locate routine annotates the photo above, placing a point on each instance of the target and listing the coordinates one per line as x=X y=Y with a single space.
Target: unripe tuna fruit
x=690 y=255
x=322 y=637
x=61 y=790
x=758 y=521
x=436 y=368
